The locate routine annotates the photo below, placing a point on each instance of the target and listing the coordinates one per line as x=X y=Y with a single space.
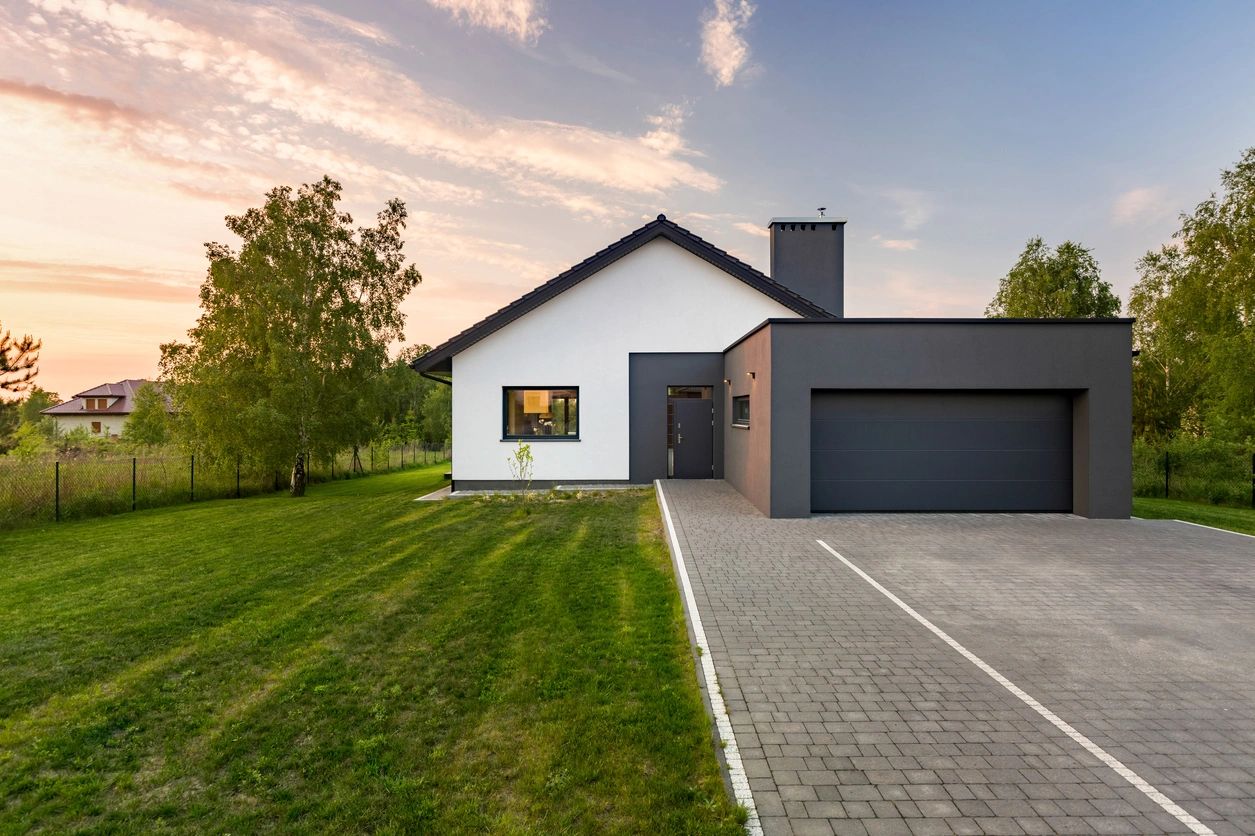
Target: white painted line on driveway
x=731 y=754
x=1090 y=746
x=1213 y=528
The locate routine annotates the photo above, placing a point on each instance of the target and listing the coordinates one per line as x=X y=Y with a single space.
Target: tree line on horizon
x=289 y=358
x=288 y=361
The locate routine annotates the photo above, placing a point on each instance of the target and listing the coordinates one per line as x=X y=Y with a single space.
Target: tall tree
x=36 y=401
x=438 y=414
x=10 y=420
x=1054 y=284
x=1195 y=309
x=149 y=423
x=285 y=360
x=19 y=358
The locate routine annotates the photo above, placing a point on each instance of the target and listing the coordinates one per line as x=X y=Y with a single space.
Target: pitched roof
x=123 y=390
x=440 y=357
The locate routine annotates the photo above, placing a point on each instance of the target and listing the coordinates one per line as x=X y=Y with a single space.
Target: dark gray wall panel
x=1091 y=361
x=649 y=375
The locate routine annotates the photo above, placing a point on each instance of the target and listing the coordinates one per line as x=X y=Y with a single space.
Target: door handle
x=679 y=439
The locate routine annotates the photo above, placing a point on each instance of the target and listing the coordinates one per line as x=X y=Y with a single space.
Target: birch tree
x=287 y=357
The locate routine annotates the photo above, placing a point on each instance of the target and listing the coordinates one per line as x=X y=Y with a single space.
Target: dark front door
x=694 y=445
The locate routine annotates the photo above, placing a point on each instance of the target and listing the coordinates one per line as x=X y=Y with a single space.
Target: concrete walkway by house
x=852 y=716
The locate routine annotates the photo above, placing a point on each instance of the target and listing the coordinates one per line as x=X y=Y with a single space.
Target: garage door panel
x=943 y=465
x=940 y=406
x=863 y=434
x=941 y=496
x=941 y=451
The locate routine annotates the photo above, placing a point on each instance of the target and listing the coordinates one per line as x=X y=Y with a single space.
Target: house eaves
x=440 y=359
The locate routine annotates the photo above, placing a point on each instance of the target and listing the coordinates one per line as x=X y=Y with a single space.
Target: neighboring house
x=101 y=410
x=664 y=357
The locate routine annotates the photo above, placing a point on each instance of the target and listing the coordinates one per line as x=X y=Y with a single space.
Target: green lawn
x=353 y=661
x=1220 y=516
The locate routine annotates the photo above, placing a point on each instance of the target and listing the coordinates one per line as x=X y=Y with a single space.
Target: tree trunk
x=298 y=475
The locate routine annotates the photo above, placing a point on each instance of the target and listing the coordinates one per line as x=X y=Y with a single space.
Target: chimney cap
x=816 y=219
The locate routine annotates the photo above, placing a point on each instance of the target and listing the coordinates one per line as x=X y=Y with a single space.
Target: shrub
x=1201 y=470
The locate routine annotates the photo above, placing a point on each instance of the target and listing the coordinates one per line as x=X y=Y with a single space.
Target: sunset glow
x=524 y=136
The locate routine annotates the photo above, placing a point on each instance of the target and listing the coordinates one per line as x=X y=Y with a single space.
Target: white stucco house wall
x=102 y=410
x=658 y=299
x=661 y=290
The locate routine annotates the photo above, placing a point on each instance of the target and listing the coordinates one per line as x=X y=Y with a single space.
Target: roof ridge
x=661 y=225
x=738 y=261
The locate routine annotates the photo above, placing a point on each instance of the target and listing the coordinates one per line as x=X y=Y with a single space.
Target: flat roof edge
x=907 y=320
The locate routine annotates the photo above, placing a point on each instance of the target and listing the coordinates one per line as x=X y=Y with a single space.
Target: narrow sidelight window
x=741 y=410
x=541 y=414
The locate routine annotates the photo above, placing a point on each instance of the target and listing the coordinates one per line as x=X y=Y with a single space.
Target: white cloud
x=724 y=50
x=522 y=20
x=1139 y=205
x=589 y=63
x=893 y=292
x=914 y=207
x=344 y=24
x=252 y=64
x=896 y=243
x=757 y=230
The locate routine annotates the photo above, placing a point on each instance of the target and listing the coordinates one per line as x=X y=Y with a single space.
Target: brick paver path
x=852 y=718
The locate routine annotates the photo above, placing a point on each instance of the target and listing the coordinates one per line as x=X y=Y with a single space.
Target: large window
x=542 y=414
x=741 y=411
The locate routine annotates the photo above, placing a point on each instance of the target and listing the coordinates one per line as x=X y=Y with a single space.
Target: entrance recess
x=693 y=437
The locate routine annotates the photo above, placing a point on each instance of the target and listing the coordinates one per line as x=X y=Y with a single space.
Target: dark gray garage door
x=941 y=451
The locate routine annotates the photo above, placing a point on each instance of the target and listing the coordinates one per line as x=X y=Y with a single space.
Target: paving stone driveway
x=852 y=718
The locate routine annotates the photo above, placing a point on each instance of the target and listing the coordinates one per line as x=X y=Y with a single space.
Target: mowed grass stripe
x=278 y=612
x=354 y=661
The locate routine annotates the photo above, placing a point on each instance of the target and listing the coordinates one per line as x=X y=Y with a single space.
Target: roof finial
x=822 y=210
x=662 y=217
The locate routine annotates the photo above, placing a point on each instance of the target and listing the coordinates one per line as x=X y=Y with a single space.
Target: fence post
x=57 y=488
x=333 y=467
x=191 y=484
x=1253 y=480
x=372 y=458
x=237 y=477
x=133 y=469
x=1167 y=473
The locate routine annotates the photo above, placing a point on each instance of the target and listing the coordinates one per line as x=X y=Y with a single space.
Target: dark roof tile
x=440 y=357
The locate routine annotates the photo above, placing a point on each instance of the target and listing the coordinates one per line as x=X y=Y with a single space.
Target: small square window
x=95 y=427
x=541 y=414
x=741 y=410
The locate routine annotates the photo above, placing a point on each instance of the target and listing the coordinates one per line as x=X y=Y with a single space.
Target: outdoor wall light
x=727 y=381
x=750 y=375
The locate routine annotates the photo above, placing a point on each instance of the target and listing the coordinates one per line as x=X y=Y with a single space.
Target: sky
x=524 y=135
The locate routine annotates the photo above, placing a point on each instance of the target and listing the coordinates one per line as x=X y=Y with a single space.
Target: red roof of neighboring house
x=124 y=391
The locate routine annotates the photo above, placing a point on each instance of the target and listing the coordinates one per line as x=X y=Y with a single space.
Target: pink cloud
x=242 y=57
x=522 y=20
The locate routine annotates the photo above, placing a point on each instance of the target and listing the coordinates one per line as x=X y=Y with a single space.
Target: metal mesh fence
x=48 y=489
x=1198 y=470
